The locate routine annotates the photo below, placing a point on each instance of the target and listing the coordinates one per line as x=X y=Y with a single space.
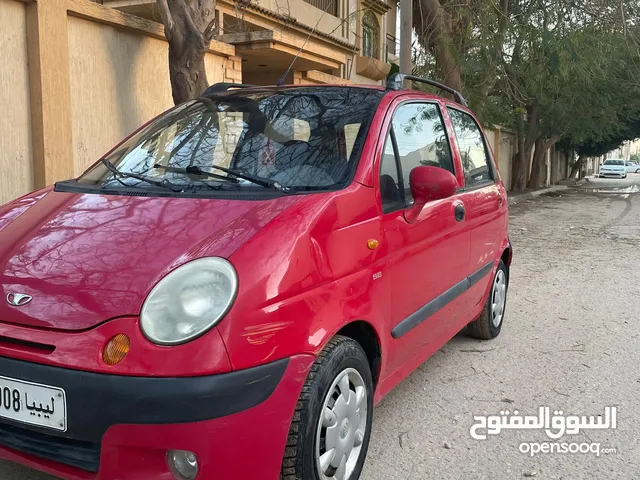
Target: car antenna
x=284 y=75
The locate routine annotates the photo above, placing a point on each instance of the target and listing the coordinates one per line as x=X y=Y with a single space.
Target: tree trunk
x=187 y=72
x=518 y=162
x=522 y=159
x=538 y=164
x=577 y=166
x=189 y=27
x=439 y=26
x=538 y=170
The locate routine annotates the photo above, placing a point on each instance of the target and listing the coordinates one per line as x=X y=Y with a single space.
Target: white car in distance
x=613 y=168
x=633 y=167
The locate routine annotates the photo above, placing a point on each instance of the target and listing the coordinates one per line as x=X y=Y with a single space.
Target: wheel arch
x=366 y=335
x=507 y=255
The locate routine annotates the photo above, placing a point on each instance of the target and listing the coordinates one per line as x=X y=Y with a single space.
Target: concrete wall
x=503 y=145
x=119 y=80
x=16 y=169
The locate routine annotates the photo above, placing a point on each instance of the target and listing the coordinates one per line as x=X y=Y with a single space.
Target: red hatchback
x=228 y=292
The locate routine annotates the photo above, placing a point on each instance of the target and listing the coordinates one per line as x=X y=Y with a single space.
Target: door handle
x=459 y=212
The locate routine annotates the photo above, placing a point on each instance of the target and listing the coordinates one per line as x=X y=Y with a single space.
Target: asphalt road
x=570 y=343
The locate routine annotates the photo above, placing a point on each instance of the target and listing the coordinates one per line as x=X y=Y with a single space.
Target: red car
x=227 y=293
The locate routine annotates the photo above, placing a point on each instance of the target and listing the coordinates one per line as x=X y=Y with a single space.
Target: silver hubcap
x=499 y=298
x=342 y=427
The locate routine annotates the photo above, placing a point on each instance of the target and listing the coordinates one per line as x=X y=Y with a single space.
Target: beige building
x=77 y=75
x=335 y=41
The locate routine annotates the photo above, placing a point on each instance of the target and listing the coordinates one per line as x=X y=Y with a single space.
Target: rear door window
x=473 y=149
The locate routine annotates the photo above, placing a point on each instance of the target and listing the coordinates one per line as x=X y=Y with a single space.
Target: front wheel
x=489 y=323
x=329 y=435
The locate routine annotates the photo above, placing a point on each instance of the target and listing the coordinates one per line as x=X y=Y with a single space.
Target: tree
x=189 y=26
x=548 y=69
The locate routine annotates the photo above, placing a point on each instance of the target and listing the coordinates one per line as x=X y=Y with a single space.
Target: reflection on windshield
x=301 y=138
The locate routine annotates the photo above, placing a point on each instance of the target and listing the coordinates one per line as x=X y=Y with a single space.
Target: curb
x=519 y=198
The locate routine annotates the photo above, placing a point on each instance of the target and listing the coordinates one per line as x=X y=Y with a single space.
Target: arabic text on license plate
x=33 y=403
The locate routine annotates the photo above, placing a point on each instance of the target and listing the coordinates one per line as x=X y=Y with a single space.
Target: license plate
x=32 y=403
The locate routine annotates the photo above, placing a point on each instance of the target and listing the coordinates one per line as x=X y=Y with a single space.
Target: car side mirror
x=427 y=185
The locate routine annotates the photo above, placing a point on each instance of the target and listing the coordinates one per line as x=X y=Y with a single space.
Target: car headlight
x=189 y=301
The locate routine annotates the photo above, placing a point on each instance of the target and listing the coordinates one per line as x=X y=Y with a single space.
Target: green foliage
x=575 y=62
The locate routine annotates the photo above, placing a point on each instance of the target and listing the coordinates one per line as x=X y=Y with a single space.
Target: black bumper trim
x=75 y=453
x=98 y=401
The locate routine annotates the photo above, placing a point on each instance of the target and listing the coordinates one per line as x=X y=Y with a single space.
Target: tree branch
x=167 y=18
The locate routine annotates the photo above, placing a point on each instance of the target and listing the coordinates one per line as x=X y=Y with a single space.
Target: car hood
x=86 y=258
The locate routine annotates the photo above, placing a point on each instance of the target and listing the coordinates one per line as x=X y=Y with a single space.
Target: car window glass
x=473 y=151
x=389 y=184
x=350 y=134
x=305 y=138
x=421 y=140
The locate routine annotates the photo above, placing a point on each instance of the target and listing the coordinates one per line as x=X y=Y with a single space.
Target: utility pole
x=406 y=28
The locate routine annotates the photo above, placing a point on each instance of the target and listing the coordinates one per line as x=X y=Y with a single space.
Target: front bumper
x=121 y=427
x=612 y=174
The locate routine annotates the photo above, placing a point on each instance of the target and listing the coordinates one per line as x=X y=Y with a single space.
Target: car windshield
x=305 y=138
x=614 y=162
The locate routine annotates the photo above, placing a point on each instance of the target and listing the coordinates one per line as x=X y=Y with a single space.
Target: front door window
x=419 y=136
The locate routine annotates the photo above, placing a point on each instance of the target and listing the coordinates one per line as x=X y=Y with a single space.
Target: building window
x=370 y=35
x=329 y=6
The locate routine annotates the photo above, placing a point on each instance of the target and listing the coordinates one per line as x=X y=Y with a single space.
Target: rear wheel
x=329 y=435
x=489 y=323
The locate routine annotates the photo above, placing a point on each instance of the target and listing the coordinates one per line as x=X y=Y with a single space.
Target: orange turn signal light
x=116 y=349
x=372 y=244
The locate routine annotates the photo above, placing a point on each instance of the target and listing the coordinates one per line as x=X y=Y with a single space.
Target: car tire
x=638 y=171
x=488 y=325
x=310 y=438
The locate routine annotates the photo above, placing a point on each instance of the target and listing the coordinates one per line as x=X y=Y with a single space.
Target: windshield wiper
x=196 y=170
x=158 y=183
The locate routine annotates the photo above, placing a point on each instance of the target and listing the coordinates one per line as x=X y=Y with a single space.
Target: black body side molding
x=419 y=316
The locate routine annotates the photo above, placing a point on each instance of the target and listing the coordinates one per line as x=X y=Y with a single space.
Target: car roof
x=395 y=87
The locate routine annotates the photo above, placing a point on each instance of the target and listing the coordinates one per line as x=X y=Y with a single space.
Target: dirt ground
x=570 y=342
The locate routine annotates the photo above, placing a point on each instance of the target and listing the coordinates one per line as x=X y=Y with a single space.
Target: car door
x=430 y=256
x=484 y=196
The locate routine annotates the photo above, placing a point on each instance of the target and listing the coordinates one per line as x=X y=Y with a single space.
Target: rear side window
x=473 y=150
x=418 y=132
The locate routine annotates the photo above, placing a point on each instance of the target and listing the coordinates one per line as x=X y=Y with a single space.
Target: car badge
x=18 y=299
